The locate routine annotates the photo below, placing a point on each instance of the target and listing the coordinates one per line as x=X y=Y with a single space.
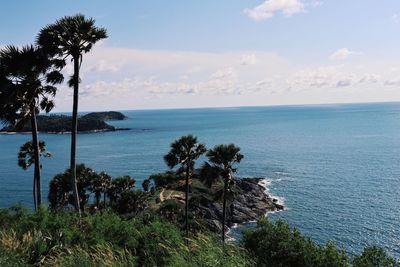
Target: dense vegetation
x=106 y=239
x=62 y=123
x=105 y=116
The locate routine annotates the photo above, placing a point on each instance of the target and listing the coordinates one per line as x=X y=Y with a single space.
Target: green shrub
x=276 y=244
x=164 y=179
x=106 y=239
x=374 y=257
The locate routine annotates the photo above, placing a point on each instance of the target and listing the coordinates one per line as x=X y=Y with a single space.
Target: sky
x=189 y=54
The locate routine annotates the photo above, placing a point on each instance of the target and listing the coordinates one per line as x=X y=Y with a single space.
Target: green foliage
x=172 y=211
x=120 y=185
x=184 y=152
x=276 y=244
x=105 y=239
x=26 y=155
x=374 y=257
x=62 y=123
x=123 y=199
x=105 y=116
x=28 y=77
x=132 y=202
x=164 y=178
x=60 y=189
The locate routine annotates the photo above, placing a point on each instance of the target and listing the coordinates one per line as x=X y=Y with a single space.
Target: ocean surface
x=335 y=167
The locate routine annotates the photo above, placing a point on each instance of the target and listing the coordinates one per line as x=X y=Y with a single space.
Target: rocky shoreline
x=251 y=203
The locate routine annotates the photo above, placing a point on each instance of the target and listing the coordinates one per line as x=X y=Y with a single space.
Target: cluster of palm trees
x=93 y=186
x=28 y=79
x=221 y=167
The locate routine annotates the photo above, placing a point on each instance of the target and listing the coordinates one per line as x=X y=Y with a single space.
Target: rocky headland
x=250 y=203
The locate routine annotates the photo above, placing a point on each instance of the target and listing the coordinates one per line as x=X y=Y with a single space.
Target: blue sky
x=166 y=54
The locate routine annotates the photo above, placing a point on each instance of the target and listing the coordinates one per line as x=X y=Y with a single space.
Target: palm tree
x=184 y=152
x=99 y=184
x=27 y=85
x=72 y=36
x=118 y=186
x=222 y=158
x=60 y=189
x=26 y=158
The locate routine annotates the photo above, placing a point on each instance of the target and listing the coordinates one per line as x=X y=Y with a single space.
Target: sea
x=335 y=167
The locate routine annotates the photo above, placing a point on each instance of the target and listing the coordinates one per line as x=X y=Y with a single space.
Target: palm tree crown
x=225 y=156
x=184 y=151
x=27 y=80
x=27 y=85
x=26 y=154
x=70 y=36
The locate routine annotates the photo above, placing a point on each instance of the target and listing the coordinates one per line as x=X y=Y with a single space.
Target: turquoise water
x=336 y=166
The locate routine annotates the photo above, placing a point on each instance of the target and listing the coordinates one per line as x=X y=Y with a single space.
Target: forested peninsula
x=91 y=122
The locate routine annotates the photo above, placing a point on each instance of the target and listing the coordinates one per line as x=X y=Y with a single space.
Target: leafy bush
x=276 y=244
x=164 y=178
x=374 y=256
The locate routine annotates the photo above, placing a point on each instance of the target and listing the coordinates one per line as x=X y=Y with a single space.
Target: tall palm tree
x=26 y=158
x=27 y=85
x=184 y=152
x=222 y=158
x=72 y=36
x=99 y=184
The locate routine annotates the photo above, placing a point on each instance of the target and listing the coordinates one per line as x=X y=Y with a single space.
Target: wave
x=280 y=200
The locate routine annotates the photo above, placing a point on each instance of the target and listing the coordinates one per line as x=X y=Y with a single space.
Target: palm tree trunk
x=35 y=142
x=98 y=195
x=187 y=202
x=34 y=192
x=104 y=196
x=74 y=131
x=224 y=208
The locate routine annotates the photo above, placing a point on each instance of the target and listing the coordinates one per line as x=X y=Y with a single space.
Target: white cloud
x=248 y=59
x=341 y=54
x=104 y=66
x=370 y=78
x=344 y=83
x=392 y=82
x=268 y=9
x=121 y=78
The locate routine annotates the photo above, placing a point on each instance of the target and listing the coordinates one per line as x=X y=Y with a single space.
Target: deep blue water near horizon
x=336 y=166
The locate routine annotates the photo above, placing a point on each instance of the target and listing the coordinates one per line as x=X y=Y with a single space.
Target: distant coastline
x=94 y=122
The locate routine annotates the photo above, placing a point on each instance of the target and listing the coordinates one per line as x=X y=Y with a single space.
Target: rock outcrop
x=250 y=203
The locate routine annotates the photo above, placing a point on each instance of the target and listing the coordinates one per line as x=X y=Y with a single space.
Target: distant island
x=106 y=116
x=91 y=122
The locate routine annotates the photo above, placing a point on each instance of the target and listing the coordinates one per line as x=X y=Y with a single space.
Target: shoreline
x=279 y=200
x=263 y=182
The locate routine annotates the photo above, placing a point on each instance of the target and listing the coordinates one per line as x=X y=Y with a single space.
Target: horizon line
x=232 y=107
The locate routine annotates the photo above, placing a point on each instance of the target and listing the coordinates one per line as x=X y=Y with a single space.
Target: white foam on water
x=280 y=200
